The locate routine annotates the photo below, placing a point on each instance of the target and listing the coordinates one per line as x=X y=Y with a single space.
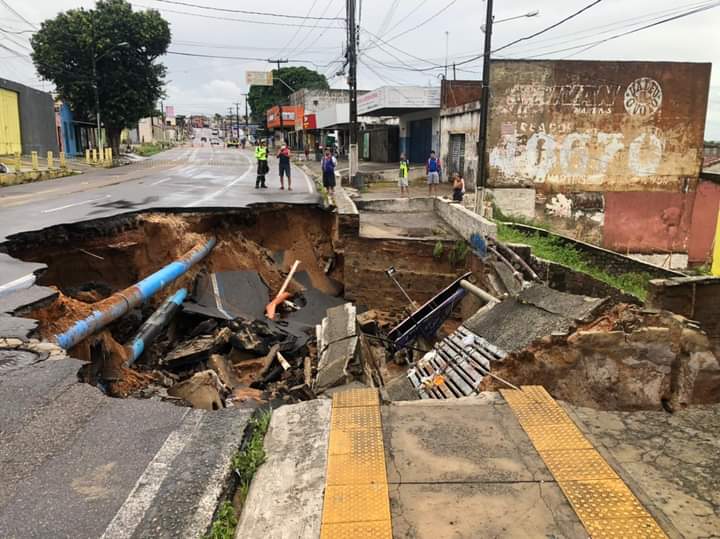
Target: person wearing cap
x=283 y=156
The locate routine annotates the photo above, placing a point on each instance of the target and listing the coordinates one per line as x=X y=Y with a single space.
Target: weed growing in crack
x=438 y=250
x=245 y=462
x=458 y=254
x=223 y=527
x=556 y=250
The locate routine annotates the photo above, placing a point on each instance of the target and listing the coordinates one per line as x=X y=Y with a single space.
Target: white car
x=215 y=141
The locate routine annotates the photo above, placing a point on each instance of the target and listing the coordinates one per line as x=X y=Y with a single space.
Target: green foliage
x=262 y=98
x=223 y=527
x=438 y=250
x=458 y=254
x=128 y=77
x=556 y=250
x=246 y=462
x=146 y=149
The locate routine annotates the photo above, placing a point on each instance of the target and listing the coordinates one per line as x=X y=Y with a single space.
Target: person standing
x=262 y=165
x=283 y=156
x=433 y=169
x=458 y=187
x=328 y=171
x=404 y=173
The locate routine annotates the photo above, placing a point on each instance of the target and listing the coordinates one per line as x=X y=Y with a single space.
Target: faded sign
x=596 y=125
x=259 y=78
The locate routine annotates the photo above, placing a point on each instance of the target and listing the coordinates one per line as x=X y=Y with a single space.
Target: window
x=457 y=154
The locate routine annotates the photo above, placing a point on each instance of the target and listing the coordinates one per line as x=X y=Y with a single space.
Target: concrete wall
x=462 y=120
x=597 y=126
x=465 y=222
x=611 y=151
x=37 y=118
x=454 y=93
x=704 y=222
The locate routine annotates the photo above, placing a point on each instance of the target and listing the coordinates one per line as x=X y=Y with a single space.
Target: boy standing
x=458 y=187
x=403 y=176
x=432 y=168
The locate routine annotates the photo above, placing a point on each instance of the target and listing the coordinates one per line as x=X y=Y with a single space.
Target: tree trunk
x=113 y=135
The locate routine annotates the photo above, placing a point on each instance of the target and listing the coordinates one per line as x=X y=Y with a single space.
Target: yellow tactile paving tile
x=577 y=465
x=353 y=530
x=356 y=504
x=356 y=397
x=355 y=441
x=356 y=468
x=603 y=502
x=355 y=418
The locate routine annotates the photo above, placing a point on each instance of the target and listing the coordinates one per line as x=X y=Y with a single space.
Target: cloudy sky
x=414 y=35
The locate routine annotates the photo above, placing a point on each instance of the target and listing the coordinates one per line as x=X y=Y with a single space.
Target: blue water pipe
x=154 y=325
x=120 y=303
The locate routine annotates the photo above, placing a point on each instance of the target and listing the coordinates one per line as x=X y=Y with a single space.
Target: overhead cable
x=246 y=12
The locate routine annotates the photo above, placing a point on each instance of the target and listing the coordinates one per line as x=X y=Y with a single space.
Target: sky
x=413 y=33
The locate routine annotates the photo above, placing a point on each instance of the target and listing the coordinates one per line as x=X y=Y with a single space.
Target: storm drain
x=455 y=367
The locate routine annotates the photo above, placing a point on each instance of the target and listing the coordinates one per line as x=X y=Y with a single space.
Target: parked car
x=203 y=139
x=232 y=143
x=215 y=142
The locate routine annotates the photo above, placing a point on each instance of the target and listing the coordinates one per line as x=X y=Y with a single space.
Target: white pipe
x=479 y=292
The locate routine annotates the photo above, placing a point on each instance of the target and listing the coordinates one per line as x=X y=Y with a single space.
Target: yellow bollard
x=51 y=160
x=34 y=157
x=110 y=155
x=95 y=155
x=63 y=164
x=87 y=156
x=18 y=163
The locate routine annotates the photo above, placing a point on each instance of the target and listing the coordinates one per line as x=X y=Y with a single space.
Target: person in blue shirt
x=433 y=169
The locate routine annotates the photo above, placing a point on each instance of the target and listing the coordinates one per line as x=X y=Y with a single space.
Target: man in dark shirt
x=283 y=156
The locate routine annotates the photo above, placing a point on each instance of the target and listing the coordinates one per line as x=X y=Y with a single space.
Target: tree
x=261 y=98
x=124 y=46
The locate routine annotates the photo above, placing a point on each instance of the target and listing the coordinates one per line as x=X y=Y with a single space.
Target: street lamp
x=95 y=88
x=533 y=13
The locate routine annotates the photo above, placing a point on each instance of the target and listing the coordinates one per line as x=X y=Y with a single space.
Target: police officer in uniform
x=262 y=165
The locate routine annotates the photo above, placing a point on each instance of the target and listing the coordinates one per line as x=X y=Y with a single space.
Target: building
x=460 y=116
x=609 y=152
x=313 y=101
x=292 y=117
x=418 y=111
x=151 y=129
x=27 y=120
x=74 y=136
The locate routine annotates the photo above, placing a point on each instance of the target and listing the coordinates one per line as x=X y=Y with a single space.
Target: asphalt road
x=192 y=178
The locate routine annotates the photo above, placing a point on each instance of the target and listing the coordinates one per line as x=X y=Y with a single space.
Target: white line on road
x=223 y=190
x=75 y=204
x=161 y=181
x=311 y=187
x=130 y=515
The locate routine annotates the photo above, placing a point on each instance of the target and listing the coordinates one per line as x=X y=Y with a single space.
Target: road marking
x=131 y=514
x=221 y=191
x=75 y=204
x=311 y=187
x=161 y=181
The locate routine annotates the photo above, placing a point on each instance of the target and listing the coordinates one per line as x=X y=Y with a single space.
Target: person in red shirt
x=283 y=156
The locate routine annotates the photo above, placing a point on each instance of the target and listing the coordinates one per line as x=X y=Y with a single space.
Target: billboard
x=259 y=78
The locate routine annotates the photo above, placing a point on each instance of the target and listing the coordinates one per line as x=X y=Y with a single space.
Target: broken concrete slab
x=229 y=294
x=26 y=299
x=337 y=346
x=14 y=327
x=196 y=350
x=285 y=500
x=203 y=390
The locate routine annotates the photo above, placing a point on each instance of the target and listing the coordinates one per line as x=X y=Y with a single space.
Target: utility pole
x=247 y=120
x=447 y=47
x=237 y=118
x=484 y=111
x=352 y=84
x=230 y=112
x=278 y=61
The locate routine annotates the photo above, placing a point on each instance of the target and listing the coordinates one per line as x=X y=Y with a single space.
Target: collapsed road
x=166 y=312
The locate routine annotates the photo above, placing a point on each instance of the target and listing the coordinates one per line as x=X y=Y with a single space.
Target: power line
x=204 y=45
x=248 y=21
x=317 y=38
x=248 y=58
x=588 y=46
x=297 y=30
x=246 y=12
x=415 y=9
x=16 y=32
x=424 y=22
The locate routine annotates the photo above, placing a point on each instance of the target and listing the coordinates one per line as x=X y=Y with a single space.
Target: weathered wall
x=37 y=118
x=704 y=222
x=461 y=120
x=596 y=126
x=454 y=93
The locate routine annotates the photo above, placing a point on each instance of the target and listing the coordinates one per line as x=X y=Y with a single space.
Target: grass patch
x=556 y=250
x=147 y=149
x=245 y=462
